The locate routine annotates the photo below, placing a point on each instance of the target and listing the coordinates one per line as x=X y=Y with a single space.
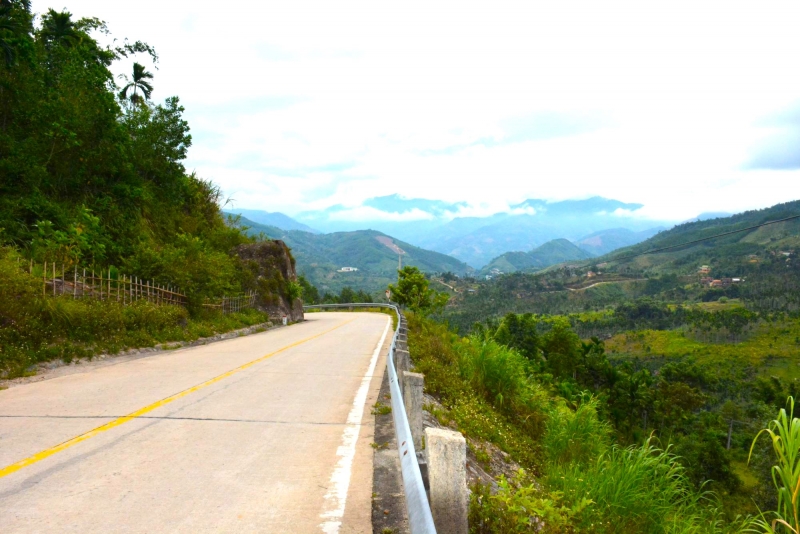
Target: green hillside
x=723 y=254
x=551 y=253
x=764 y=260
x=607 y=241
x=321 y=256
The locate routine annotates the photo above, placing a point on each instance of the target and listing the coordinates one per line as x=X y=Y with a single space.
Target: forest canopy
x=91 y=170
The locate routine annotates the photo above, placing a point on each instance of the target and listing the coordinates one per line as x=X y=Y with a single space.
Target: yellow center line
x=39 y=456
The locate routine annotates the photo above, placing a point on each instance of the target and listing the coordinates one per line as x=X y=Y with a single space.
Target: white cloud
x=302 y=105
x=367 y=213
x=527 y=210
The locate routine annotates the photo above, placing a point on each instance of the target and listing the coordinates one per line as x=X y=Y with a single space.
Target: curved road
x=265 y=433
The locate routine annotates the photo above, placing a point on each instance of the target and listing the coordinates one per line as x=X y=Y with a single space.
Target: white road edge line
x=336 y=498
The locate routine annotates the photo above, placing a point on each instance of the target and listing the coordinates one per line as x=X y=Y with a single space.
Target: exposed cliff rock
x=271 y=270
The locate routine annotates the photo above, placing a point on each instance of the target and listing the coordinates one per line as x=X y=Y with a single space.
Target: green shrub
x=518 y=506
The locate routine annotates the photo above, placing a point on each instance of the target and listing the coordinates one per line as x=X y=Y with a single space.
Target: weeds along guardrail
x=102 y=285
x=420 y=519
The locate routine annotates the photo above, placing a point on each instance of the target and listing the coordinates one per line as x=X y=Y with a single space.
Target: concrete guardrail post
x=402 y=363
x=412 y=399
x=446 y=453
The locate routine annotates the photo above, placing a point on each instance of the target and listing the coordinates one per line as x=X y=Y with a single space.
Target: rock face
x=271 y=271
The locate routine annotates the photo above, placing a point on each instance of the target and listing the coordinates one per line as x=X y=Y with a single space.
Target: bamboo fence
x=103 y=285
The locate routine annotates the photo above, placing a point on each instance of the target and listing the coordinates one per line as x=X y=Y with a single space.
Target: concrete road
x=265 y=433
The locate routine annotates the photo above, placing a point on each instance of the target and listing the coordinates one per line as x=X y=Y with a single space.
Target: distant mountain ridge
x=276 y=219
x=550 y=253
x=605 y=241
x=438 y=225
x=321 y=256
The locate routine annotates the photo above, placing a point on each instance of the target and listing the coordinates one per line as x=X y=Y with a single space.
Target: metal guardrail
x=420 y=520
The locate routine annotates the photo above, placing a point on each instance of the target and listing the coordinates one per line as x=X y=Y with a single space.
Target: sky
x=685 y=107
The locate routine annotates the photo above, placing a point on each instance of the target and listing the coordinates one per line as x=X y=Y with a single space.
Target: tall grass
x=785 y=435
x=575 y=436
x=500 y=374
x=635 y=489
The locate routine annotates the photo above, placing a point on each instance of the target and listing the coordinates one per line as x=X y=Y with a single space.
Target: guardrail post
x=401 y=364
x=412 y=399
x=446 y=453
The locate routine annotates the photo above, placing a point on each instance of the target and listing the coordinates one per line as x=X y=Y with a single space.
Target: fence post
x=446 y=452
x=75 y=283
x=412 y=398
x=54 y=279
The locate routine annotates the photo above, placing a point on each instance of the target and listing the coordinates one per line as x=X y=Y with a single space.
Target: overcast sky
x=682 y=106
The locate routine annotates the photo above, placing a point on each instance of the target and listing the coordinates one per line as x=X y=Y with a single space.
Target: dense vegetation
x=582 y=474
x=632 y=396
x=92 y=176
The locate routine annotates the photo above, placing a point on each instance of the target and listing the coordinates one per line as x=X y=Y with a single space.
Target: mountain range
x=326 y=259
x=443 y=227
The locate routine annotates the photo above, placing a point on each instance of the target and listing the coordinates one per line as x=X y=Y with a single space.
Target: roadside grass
x=483 y=410
x=574 y=478
x=36 y=328
x=381 y=409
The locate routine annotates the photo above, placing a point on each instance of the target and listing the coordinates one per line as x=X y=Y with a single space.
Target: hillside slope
x=723 y=253
x=321 y=256
x=606 y=241
x=551 y=253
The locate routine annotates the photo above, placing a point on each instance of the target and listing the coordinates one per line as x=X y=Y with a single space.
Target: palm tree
x=59 y=28
x=138 y=83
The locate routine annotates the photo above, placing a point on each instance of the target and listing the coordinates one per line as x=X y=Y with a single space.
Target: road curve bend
x=265 y=433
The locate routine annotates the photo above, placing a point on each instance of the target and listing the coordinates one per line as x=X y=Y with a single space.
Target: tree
x=519 y=332
x=138 y=82
x=412 y=290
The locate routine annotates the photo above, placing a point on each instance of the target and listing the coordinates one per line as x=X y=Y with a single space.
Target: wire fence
x=103 y=285
x=106 y=284
x=234 y=304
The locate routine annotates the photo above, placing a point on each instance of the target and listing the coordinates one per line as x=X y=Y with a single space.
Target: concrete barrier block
x=412 y=398
x=446 y=452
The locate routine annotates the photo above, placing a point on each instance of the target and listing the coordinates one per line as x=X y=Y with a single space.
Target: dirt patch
x=387 y=241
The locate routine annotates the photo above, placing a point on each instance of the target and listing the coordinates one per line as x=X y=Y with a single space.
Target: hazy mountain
x=275 y=218
x=321 y=256
x=436 y=224
x=531 y=224
x=606 y=241
x=551 y=253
